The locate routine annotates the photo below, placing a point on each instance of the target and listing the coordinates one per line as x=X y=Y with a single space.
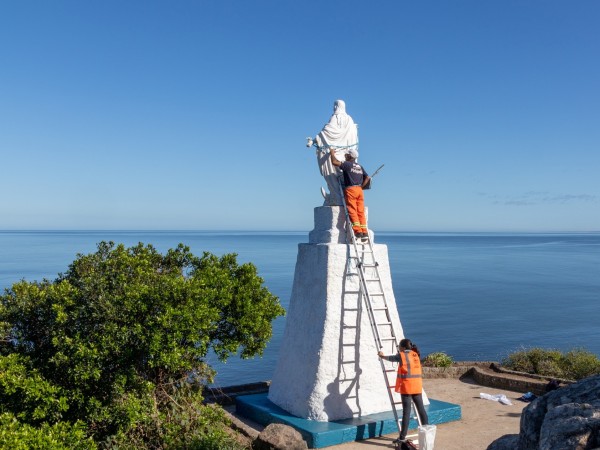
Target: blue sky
x=193 y=114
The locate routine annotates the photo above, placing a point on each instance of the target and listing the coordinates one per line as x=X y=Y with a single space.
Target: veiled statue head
x=339 y=107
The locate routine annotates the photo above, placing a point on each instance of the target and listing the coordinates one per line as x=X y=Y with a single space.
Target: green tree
x=124 y=334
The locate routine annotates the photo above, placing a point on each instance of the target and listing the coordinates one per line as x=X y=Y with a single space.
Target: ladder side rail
x=375 y=324
x=365 y=291
x=383 y=296
x=369 y=305
x=391 y=395
x=360 y=269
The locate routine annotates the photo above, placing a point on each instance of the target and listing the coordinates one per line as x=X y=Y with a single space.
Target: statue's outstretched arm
x=336 y=162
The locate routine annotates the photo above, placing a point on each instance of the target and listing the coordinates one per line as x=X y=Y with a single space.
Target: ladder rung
x=384 y=322
x=379 y=309
x=388 y=339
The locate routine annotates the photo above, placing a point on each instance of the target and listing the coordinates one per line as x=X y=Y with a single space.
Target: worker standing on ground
x=409 y=382
x=355 y=178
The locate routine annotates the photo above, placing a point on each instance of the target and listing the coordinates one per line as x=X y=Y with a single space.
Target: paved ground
x=482 y=421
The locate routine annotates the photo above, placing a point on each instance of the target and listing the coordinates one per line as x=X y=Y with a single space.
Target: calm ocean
x=474 y=296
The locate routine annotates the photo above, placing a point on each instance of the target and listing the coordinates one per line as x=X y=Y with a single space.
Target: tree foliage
x=123 y=334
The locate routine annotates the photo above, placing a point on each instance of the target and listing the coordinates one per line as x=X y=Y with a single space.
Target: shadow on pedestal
x=258 y=408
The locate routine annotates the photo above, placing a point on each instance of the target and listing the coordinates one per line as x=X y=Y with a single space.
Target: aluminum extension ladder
x=371 y=289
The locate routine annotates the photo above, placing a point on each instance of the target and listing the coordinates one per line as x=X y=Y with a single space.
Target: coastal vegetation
x=112 y=353
x=574 y=364
x=438 y=359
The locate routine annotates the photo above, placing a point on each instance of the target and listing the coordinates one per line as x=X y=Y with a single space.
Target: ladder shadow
x=349 y=371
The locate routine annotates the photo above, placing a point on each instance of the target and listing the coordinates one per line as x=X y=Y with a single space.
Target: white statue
x=340 y=133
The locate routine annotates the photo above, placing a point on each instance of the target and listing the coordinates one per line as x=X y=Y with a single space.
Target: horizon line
x=195 y=230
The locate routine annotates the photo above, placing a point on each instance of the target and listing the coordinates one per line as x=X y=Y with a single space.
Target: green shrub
x=15 y=435
x=438 y=359
x=574 y=365
x=115 y=340
x=579 y=363
x=24 y=392
x=534 y=360
x=181 y=421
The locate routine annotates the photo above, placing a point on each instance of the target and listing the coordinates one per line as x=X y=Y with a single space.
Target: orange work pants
x=355 y=202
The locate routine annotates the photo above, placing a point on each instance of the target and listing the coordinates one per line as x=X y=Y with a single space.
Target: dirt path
x=482 y=421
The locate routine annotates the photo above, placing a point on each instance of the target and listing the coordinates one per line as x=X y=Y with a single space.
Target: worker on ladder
x=355 y=178
x=409 y=383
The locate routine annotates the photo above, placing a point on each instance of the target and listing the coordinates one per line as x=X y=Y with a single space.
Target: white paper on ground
x=497 y=398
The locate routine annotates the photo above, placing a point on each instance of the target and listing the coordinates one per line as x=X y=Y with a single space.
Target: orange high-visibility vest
x=410 y=377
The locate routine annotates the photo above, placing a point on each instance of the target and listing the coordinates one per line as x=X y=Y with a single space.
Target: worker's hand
x=380 y=354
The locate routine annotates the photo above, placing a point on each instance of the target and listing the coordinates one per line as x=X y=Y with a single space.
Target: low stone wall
x=227 y=395
x=501 y=369
x=491 y=378
x=457 y=370
x=491 y=374
x=484 y=373
x=496 y=376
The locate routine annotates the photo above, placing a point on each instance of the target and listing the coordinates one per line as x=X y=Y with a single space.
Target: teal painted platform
x=259 y=408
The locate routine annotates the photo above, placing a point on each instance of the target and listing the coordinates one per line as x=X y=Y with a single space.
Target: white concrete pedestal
x=328 y=367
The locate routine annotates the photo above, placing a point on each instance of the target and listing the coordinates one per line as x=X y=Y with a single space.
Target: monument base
x=260 y=409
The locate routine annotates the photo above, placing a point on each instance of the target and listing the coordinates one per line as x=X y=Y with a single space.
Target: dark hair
x=406 y=343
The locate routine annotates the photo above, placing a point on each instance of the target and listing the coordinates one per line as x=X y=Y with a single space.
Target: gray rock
x=506 y=442
x=564 y=419
x=571 y=426
x=277 y=436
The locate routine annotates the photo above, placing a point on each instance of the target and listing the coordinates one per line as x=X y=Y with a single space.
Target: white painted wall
x=328 y=367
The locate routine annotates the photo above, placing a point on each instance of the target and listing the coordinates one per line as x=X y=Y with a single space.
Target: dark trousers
x=406 y=406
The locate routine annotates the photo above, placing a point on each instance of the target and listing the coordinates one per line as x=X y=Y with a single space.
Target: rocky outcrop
x=279 y=437
x=567 y=418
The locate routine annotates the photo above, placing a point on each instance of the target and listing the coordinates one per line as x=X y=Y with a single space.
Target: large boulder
x=567 y=418
x=277 y=436
x=506 y=442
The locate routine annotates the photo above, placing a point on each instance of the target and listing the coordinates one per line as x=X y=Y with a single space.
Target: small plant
x=438 y=359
